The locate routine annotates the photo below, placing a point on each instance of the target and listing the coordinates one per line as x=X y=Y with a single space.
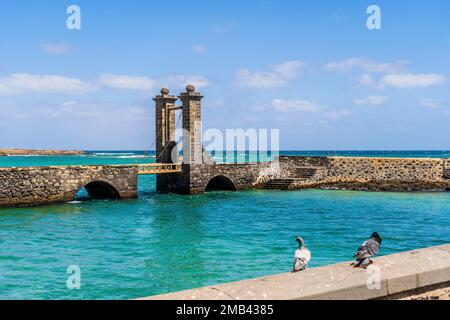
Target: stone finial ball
x=164 y=91
x=190 y=88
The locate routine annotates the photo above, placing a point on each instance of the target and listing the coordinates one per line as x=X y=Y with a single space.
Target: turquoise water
x=163 y=243
x=139 y=157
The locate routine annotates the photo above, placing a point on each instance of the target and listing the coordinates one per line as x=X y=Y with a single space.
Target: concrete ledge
x=398 y=273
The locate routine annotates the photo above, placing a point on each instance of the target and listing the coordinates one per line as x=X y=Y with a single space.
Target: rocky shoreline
x=439 y=294
x=24 y=152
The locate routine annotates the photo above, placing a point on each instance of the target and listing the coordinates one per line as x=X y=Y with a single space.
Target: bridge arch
x=220 y=183
x=99 y=189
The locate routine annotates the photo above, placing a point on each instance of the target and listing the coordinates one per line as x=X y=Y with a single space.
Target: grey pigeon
x=302 y=256
x=367 y=250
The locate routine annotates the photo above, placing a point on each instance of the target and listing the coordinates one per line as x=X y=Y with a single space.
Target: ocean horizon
x=106 y=157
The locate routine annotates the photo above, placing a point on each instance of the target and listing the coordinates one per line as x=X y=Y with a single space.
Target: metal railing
x=159 y=168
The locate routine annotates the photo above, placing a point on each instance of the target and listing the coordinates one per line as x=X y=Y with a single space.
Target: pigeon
x=302 y=256
x=367 y=250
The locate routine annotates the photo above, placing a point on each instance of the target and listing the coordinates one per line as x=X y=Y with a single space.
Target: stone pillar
x=165 y=127
x=192 y=128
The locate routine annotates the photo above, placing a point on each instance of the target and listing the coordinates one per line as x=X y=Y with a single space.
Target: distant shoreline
x=25 y=152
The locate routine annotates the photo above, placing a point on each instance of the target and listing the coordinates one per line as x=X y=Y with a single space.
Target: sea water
x=163 y=243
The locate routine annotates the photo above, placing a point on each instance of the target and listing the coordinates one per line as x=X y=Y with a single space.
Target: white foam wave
x=113 y=154
x=131 y=157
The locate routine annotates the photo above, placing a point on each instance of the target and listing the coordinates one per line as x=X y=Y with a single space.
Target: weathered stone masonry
x=367 y=174
x=43 y=185
x=371 y=174
x=196 y=179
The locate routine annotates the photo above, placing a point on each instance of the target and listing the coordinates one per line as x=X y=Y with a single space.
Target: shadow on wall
x=220 y=183
x=97 y=190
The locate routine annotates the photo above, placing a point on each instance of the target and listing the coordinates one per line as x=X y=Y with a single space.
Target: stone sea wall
x=372 y=174
x=291 y=172
x=25 y=152
x=43 y=185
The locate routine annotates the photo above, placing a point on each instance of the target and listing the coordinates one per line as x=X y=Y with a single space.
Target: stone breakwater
x=43 y=185
x=24 y=152
x=290 y=172
x=367 y=174
x=439 y=294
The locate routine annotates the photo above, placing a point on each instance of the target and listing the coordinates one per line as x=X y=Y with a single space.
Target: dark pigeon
x=367 y=250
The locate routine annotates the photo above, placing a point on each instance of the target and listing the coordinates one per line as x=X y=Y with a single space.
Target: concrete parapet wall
x=30 y=186
x=398 y=273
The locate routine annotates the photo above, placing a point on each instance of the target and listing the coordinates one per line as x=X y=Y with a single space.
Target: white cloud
x=99 y=110
x=6 y=89
x=224 y=28
x=57 y=48
x=199 y=49
x=22 y=83
x=365 y=64
x=306 y=106
x=366 y=80
x=337 y=114
x=278 y=75
x=411 y=80
x=372 y=100
x=432 y=103
x=391 y=74
x=9 y=111
x=296 y=106
x=127 y=82
x=180 y=81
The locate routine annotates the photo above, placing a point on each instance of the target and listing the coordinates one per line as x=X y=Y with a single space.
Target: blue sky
x=309 y=68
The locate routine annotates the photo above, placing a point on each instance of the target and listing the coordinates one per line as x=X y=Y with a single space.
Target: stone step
x=278 y=184
x=305 y=173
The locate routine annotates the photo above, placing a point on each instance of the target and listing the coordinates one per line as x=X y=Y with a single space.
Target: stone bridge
x=43 y=185
x=197 y=179
x=198 y=173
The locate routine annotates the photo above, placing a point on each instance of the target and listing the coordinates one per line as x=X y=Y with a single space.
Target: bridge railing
x=158 y=168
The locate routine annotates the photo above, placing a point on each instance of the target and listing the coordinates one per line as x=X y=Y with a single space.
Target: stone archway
x=220 y=183
x=98 y=189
